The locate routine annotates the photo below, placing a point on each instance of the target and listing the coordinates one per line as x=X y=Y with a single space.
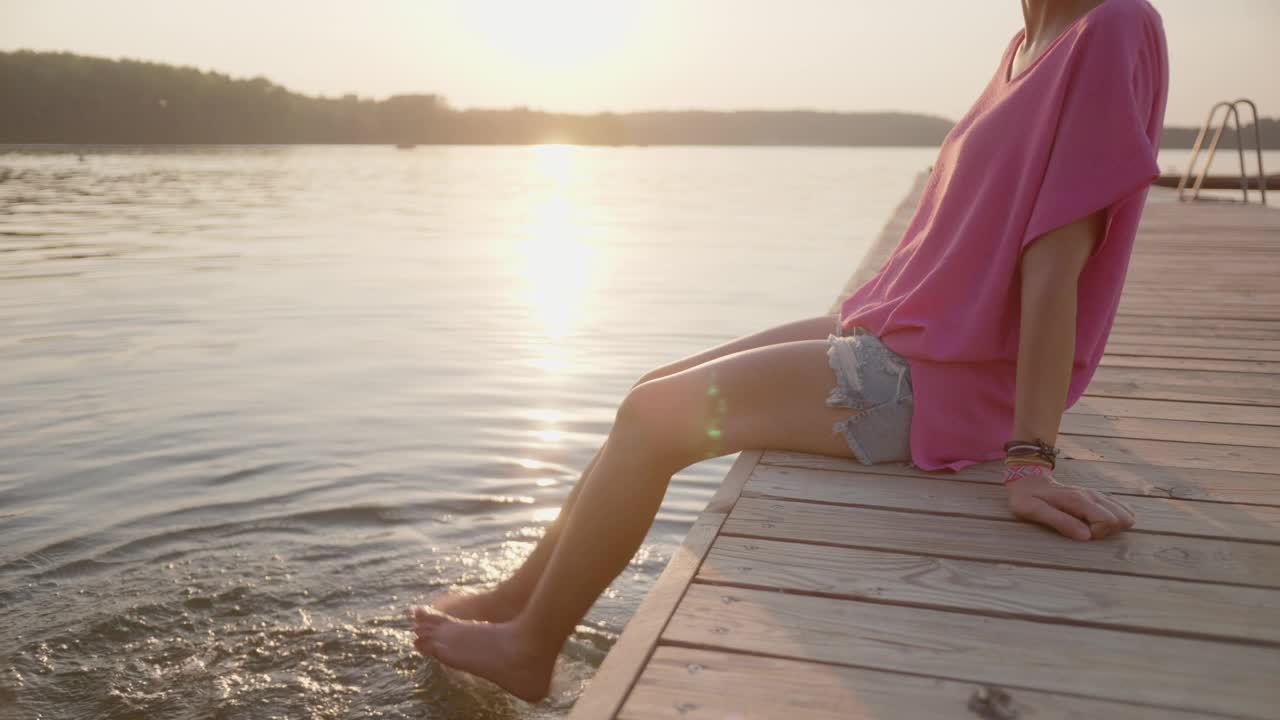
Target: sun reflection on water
x=546 y=514
x=558 y=256
x=549 y=436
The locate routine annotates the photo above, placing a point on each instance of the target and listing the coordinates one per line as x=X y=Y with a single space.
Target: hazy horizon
x=581 y=57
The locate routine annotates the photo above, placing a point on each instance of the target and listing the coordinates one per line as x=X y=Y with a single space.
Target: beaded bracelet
x=1014 y=473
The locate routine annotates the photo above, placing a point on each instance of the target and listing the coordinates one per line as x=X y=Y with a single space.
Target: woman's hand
x=1078 y=513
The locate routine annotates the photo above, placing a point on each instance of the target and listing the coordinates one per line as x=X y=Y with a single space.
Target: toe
x=423 y=646
x=428 y=616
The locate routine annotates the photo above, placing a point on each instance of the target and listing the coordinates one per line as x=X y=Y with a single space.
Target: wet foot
x=493 y=651
x=485 y=606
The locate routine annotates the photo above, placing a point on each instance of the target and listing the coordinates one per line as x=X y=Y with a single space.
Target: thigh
x=766 y=397
x=815 y=328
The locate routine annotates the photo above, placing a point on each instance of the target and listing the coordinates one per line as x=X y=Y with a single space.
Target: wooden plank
x=1181 y=327
x=1205 y=312
x=1157 y=282
x=1258 y=523
x=726 y=495
x=1175 y=673
x=1243 y=244
x=1198 y=386
x=1079 y=423
x=1154 y=343
x=1207 y=349
x=1182 y=261
x=1210 y=297
x=1148 y=554
x=1173 y=363
x=1222 y=612
x=1237 y=278
x=617 y=674
x=1191 y=308
x=1125 y=479
x=1177 y=273
x=1172 y=410
x=694 y=684
x=1161 y=453
x=1241 y=278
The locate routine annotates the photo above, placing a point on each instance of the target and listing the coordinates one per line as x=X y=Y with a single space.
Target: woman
x=983 y=325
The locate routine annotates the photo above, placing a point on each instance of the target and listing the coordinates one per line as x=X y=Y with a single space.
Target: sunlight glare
x=549 y=436
x=558 y=263
x=556 y=161
x=547 y=415
x=546 y=514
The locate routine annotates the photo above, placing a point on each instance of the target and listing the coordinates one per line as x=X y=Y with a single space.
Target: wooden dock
x=813 y=587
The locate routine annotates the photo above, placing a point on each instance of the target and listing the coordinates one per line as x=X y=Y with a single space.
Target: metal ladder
x=1233 y=113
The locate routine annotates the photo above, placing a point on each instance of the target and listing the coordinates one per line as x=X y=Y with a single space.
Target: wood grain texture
x=1120 y=345
x=694 y=684
x=1259 y=367
x=1259 y=523
x=1190 y=385
x=1224 y=612
x=1217 y=433
x=1175 y=673
x=1173 y=410
x=1148 y=554
x=1182 y=328
x=1157 y=344
x=1159 y=453
x=618 y=672
x=731 y=487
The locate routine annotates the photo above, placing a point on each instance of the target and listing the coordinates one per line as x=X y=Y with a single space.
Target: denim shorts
x=876 y=382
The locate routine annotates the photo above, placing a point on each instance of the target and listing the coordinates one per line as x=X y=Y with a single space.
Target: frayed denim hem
x=876 y=382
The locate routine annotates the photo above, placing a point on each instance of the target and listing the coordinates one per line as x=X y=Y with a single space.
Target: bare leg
x=767 y=397
x=507 y=599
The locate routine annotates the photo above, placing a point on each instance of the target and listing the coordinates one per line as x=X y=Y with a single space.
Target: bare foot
x=487 y=606
x=493 y=651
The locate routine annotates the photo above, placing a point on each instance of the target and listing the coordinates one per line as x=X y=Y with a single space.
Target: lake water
x=255 y=401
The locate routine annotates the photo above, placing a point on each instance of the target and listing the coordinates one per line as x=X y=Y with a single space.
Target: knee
x=654 y=374
x=657 y=414
x=642 y=408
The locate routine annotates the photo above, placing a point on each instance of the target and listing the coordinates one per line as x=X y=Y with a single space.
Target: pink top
x=1073 y=133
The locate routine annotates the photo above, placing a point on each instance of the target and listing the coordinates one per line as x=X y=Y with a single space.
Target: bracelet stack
x=1026 y=458
x=1031 y=452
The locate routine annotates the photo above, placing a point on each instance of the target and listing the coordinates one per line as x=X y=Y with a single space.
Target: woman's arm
x=1050 y=270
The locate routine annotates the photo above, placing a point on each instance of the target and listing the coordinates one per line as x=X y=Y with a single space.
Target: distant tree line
x=67 y=98
x=1185 y=137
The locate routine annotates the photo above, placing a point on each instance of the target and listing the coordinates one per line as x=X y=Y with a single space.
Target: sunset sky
x=929 y=56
